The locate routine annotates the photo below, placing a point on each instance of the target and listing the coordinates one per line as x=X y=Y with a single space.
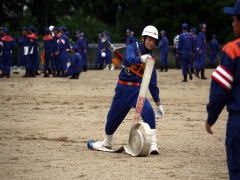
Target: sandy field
x=45 y=124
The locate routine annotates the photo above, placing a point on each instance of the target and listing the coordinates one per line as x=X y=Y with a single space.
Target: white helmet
x=51 y=27
x=150 y=31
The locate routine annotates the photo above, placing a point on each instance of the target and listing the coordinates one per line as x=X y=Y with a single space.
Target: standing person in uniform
x=7 y=51
x=62 y=46
x=33 y=35
x=163 y=45
x=214 y=48
x=225 y=90
x=133 y=39
x=22 y=41
x=1 y=49
x=175 y=51
x=101 y=54
x=127 y=90
x=83 y=46
x=195 y=48
x=185 y=51
x=48 y=49
x=128 y=39
x=201 y=56
x=56 y=65
x=109 y=53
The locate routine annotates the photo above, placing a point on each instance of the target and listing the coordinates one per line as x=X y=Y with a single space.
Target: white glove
x=159 y=111
x=112 y=48
x=145 y=57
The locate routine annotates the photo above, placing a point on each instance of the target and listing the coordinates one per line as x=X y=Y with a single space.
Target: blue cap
x=163 y=32
x=75 y=47
x=33 y=28
x=184 y=26
x=24 y=29
x=100 y=34
x=63 y=28
x=194 y=29
x=54 y=28
x=233 y=10
x=214 y=36
x=105 y=32
x=6 y=30
x=203 y=25
x=78 y=32
x=47 y=30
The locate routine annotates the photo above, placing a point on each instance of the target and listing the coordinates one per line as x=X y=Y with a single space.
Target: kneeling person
x=75 y=67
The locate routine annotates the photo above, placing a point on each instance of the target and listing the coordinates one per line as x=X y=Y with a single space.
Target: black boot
x=26 y=74
x=184 y=78
x=197 y=73
x=192 y=69
x=2 y=75
x=54 y=73
x=45 y=74
x=190 y=76
x=166 y=68
x=58 y=74
x=202 y=74
x=8 y=75
x=73 y=76
x=62 y=74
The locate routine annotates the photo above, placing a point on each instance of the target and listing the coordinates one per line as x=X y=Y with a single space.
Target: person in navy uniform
x=163 y=45
x=62 y=48
x=76 y=65
x=101 y=53
x=195 y=49
x=56 y=65
x=108 y=52
x=128 y=34
x=82 y=46
x=201 y=56
x=22 y=41
x=127 y=90
x=175 y=51
x=7 y=43
x=33 y=33
x=225 y=91
x=48 y=49
x=186 y=52
x=214 y=49
x=133 y=39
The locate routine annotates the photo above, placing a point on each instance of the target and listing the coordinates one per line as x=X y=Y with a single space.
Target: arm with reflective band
x=223 y=77
x=221 y=85
x=144 y=88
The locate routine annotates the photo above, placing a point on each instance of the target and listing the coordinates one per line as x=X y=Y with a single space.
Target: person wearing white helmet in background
x=127 y=90
x=51 y=28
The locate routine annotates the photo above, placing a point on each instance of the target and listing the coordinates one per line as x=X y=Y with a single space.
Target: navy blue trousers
x=163 y=57
x=200 y=60
x=126 y=98
x=186 y=62
x=233 y=145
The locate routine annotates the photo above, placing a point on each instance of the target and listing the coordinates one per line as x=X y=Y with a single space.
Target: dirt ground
x=45 y=124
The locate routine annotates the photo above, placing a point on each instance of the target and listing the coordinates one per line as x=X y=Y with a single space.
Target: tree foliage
x=115 y=16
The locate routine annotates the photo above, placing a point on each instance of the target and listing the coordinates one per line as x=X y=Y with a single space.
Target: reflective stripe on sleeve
x=223 y=77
